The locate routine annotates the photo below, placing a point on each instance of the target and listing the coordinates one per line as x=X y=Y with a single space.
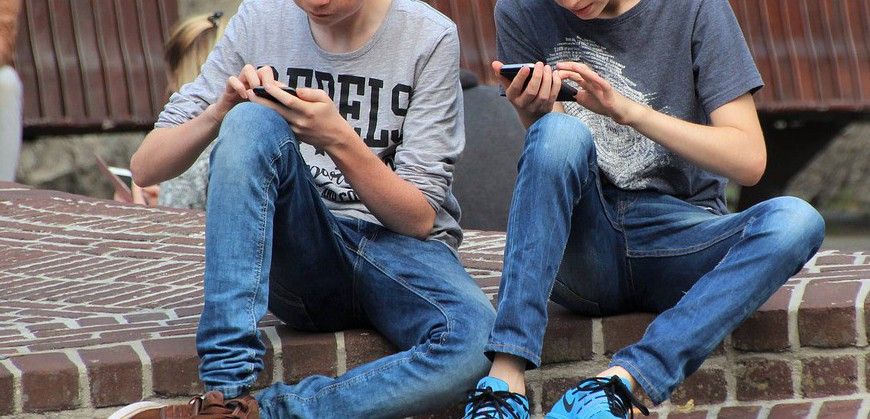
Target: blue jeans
x=272 y=243
x=600 y=251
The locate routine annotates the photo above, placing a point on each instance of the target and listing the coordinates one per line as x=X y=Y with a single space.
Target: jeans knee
x=558 y=144
x=249 y=133
x=795 y=226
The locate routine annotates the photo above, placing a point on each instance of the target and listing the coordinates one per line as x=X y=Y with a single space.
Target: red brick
x=174 y=366
x=763 y=379
x=6 y=391
x=827 y=314
x=115 y=375
x=568 y=337
x=766 y=330
x=841 y=409
x=306 y=354
x=49 y=382
x=364 y=346
x=790 y=411
x=823 y=376
x=623 y=330
x=739 y=412
x=706 y=386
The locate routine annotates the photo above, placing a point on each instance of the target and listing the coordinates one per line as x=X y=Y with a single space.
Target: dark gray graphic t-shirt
x=685 y=58
x=400 y=92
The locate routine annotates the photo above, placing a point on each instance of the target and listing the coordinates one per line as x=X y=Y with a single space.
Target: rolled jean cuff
x=654 y=393
x=533 y=361
x=229 y=392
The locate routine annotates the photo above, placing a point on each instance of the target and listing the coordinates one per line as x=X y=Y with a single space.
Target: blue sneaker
x=598 y=398
x=492 y=400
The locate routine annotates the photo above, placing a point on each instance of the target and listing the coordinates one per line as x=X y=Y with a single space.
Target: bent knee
x=794 y=225
x=558 y=143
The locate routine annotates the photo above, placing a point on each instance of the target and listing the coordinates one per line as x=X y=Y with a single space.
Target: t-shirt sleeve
x=434 y=129
x=723 y=66
x=225 y=60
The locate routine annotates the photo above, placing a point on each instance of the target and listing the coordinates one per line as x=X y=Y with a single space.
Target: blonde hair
x=189 y=46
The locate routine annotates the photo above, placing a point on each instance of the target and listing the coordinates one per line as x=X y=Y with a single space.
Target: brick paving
x=100 y=303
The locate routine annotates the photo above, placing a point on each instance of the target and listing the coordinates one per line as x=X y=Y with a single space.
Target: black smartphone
x=509 y=71
x=261 y=92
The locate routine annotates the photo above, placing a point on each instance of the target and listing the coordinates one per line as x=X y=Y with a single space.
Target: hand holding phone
x=261 y=92
x=510 y=71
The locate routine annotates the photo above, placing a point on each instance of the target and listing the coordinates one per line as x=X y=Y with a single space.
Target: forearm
x=725 y=150
x=396 y=203
x=168 y=152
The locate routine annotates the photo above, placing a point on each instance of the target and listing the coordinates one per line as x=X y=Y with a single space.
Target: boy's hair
x=188 y=47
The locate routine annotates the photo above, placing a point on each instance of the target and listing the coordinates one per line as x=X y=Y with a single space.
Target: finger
x=535 y=82
x=266 y=75
x=312 y=95
x=546 y=84
x=238 y=87
x=556 y=86
x=496 y=68
x=285 y=98
x=250 y=76
x=515 y=88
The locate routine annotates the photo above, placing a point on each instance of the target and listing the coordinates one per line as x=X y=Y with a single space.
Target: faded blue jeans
x=271 y=242
x=599 y=251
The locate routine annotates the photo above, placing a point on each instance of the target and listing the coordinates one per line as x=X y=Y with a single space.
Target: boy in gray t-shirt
x=331 y=207
x=619 y=205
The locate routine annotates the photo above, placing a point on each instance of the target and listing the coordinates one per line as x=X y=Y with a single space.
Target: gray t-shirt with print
x=685 y=58
x=400 y=92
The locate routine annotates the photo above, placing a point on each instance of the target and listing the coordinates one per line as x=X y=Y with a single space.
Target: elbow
x=422 y=230
x=423 y=227
x=140 y=175
x=753 y=171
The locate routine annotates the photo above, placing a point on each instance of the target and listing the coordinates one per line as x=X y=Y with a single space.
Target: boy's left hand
x=598 y=95
x=312 y=115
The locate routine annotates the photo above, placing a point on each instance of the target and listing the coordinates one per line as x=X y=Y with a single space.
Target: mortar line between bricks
x=814 y=410
x=860 y=319
x=862 y=376
x=794 y=303
x=730 y=377
x=17 y=386
x=340 y=354
x=277 y=354
x=597 y=336
x=147 y=373
x=84 y=380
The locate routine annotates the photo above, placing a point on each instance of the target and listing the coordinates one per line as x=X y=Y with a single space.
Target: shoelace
x=497 y=400
x=619 y=397
x=207 y=408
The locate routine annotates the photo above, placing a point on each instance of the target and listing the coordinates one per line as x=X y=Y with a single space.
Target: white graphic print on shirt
x=627 y=157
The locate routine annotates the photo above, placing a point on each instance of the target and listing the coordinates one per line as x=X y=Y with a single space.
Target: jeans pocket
x=567 y=298
x=290 y=308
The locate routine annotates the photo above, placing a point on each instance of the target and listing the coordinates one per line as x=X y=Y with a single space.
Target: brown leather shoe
x=211 y=405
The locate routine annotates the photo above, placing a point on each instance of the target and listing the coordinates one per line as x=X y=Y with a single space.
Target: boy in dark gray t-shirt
x=619 y=204
x=331 y=207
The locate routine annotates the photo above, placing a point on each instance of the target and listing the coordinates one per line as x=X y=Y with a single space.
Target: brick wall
x=100 y=301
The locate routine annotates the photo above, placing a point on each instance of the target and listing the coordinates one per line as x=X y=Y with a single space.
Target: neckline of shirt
x=359 y=51
x=614 y=22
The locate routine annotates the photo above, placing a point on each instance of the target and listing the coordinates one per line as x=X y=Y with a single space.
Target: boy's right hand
x=539 y=96
x=240 y=88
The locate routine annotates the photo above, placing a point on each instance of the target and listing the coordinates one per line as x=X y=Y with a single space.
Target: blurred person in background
x=10 y=91
x=186 y=50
